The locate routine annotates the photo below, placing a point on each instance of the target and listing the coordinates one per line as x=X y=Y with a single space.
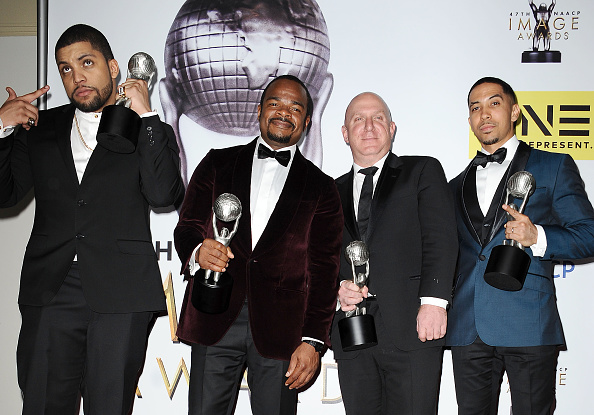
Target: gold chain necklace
x=80 y=134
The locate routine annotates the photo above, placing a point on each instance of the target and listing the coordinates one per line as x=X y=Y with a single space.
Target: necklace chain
x=80 y=134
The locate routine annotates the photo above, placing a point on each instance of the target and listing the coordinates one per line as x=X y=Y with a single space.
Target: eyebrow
x=490 y=98
x=279 y=99
x=84 y=55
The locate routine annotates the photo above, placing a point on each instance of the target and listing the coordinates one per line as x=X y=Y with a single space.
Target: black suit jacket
x=412 y=242
x=104 y=219
x=289 y=278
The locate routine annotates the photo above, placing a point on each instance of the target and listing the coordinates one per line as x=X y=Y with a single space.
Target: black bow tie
x=481 y=159
x=283 y=157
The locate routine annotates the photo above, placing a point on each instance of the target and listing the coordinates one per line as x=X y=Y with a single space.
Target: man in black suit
x=283 y=261
x=90 y=283
x=402 y=209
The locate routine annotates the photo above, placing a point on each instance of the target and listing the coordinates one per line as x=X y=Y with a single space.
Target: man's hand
x=521 y=229
x=137 y=91
x=349 y=294
x=432 y=322
x=302 y=367
x=213 y=255
x=17 y=110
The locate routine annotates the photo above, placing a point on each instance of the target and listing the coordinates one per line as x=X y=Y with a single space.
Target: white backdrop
x=421 y=57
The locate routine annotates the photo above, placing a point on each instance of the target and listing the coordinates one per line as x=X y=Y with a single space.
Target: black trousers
x=478 y=371
x=384 y=380
x=217 y=370
x=66 y=351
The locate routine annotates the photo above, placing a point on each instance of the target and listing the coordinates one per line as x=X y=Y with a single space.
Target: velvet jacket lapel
x=240 y=187
x=286 y=207
x=345 y=189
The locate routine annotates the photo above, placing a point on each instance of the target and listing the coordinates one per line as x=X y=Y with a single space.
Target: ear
x=515 y=113
x=392 y=130
x=307 y=121
x=345 y=134
x=259 y=110
x=114 y=68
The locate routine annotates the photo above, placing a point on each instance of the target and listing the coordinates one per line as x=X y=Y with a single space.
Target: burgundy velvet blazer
x=290 y=278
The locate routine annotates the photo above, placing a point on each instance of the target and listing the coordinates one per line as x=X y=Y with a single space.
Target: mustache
x=282 y=119
x=84 y=86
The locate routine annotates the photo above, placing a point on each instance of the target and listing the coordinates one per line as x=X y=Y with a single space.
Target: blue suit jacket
x=528 y=317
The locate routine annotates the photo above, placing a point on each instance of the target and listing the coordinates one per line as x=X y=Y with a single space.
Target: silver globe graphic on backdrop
x=219 y=56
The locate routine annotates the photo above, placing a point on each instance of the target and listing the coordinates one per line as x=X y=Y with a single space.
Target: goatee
x=281 y=139
x=96 y=103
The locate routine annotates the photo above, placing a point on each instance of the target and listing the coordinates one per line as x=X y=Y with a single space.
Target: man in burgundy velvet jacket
x=284 y=262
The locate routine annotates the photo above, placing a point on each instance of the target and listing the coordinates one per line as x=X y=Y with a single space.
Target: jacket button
x=81 y=202
x=482 y=257
x=79 y=236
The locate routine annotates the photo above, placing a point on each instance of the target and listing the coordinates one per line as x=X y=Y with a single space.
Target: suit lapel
x=345 y=189
x=286 y=207
x=240 y=187
x=472 y=211
x=98 y=153
x=63 y=128
x=387 y=180
x=518 y=164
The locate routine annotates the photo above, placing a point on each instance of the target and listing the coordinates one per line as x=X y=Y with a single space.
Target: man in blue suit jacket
x=491 y=330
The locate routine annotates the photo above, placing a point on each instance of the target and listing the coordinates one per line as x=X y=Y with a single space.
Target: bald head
x=367 y=97
x=368 y=128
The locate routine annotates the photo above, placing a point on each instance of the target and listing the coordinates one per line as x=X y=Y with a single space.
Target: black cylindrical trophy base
x=119 y=128
x=357 y=332
x=507 y=268
x=209 y=296
x=541 y=56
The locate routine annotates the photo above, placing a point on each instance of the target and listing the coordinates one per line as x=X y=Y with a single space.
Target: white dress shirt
x=487 y=181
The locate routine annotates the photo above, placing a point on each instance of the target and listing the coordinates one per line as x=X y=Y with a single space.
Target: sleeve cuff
x=440 y=302
x=193 y=266
x=540 y=247
x=149 y=114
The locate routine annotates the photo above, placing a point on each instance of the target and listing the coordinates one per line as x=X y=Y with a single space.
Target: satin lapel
x=345 y=189
x=517 y=164
x=469 y=202
x=63 y=128
x=240 y=187
x=286 y=207
x=383 y=189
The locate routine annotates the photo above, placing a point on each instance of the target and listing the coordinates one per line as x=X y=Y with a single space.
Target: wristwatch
x=316 y=345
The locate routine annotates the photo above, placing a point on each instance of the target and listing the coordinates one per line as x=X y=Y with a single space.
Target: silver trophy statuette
x=357 y=330
x=357 y=255
x=508 y=263
x=227 y=208
x=211 y=292
x=140 y=66
x=520 y=185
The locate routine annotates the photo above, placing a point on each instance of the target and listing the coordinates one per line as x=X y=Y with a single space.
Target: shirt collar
x=292 y=148
x=379 y=164
x=510 y=145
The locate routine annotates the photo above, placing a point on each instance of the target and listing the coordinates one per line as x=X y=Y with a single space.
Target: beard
x=278 y=138
x=491 y=141
x=96 y=103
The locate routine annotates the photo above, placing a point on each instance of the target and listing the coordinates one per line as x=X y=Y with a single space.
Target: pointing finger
x=32 y=96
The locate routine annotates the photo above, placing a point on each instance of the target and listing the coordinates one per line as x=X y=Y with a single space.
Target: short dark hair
x=507 y=89
x=85 y=33
x=308 y=110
